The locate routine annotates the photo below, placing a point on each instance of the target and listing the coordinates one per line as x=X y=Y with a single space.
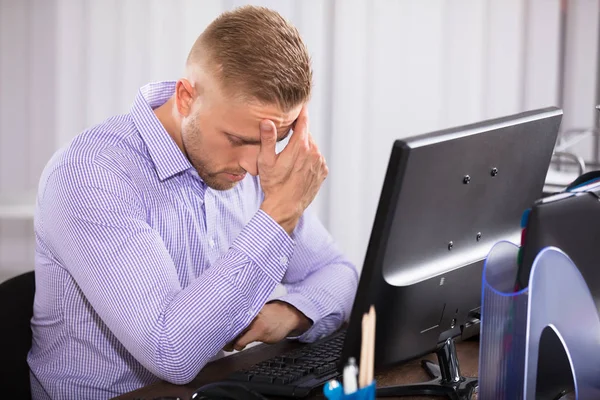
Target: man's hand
x=276 y=321
x=291 y=179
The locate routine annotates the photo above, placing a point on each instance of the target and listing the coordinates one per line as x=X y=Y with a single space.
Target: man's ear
x=185 y=94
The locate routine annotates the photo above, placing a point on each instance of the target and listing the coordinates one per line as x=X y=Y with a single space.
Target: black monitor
x=447 y=198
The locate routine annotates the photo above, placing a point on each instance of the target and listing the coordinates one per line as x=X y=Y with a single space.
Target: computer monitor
x=447 y=198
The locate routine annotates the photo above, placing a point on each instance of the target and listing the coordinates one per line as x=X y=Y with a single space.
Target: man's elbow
x=354 y=274
x=179 y=378
x=179 y=368
x=177 y=374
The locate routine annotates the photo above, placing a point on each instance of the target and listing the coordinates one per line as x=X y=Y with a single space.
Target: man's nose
x=249 y=162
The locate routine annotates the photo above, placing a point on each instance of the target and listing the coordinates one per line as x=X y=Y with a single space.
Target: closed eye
x=235 y=141
x=238 y=141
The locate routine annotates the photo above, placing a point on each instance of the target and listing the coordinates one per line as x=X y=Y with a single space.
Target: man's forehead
x=249 y=115
x=283 y=121
x=284 y=128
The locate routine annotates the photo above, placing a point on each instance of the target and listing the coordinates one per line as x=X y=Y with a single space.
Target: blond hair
x=256 y=54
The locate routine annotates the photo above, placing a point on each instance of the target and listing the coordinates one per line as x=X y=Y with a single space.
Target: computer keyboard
x=296 y=373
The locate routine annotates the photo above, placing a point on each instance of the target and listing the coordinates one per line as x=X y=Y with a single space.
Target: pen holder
x=333 y=390
x=503 y=326
x=518 y=327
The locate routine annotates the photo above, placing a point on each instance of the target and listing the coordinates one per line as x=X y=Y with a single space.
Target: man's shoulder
x=112 y=147
x=112 y=144
x=116 y=135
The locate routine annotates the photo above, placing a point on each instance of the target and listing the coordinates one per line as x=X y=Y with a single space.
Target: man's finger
x=311 y=142
x=228 y=347
x=300 y=135
x=251 y=335
x=268 y=142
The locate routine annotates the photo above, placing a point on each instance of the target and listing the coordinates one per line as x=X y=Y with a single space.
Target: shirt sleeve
x=94 y=222
x=320 y=281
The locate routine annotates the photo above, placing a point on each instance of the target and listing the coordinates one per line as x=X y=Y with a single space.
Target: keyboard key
x=262 y=379
x=281 y=381
x=310 y=359
x=240 y=376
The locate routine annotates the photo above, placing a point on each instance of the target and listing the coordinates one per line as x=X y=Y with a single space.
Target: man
x=157 y=243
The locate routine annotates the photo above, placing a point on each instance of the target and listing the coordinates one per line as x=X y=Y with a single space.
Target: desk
x=468 y=355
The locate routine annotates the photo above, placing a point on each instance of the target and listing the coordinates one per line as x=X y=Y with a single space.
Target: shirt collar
x=168 y=159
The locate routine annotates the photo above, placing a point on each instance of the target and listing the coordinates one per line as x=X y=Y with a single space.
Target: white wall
x=580 y=70
x=408 y=67
x=384 y=69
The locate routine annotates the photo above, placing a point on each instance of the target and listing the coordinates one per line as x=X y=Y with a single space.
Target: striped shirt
x=145 y=273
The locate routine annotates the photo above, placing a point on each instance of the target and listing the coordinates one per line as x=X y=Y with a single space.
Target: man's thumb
x=268 y=137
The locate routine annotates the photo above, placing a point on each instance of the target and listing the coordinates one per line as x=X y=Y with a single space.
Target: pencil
x=362 y=372
x=371 y=363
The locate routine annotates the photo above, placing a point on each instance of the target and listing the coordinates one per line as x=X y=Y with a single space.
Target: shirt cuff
x=306 y=307
x=266 y=243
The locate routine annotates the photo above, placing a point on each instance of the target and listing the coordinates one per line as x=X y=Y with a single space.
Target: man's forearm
x=218 y=305
x=325 y=297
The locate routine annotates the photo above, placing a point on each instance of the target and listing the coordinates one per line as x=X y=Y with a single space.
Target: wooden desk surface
x=468 y=355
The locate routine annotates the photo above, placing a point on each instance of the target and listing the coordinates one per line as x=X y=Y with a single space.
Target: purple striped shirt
x=145 y=273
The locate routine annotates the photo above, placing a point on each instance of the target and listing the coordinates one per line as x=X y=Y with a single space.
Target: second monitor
x=447 y=198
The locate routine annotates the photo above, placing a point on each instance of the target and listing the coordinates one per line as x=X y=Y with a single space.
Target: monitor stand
x=447 y=380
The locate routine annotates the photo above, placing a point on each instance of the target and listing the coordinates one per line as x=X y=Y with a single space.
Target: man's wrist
x=299 y=323
x=286 y=218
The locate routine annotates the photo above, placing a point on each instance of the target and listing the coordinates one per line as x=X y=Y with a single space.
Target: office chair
x=16 y=310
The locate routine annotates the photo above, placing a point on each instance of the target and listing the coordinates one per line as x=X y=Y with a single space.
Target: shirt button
x=283 y=260
x=211 y=243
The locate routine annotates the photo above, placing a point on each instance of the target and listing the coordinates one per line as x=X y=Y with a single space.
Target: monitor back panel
x=448 y=196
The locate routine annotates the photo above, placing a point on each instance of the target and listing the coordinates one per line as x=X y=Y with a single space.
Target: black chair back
x=16 y=310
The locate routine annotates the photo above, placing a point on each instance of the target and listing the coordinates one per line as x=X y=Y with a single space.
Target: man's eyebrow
x=247 y=141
